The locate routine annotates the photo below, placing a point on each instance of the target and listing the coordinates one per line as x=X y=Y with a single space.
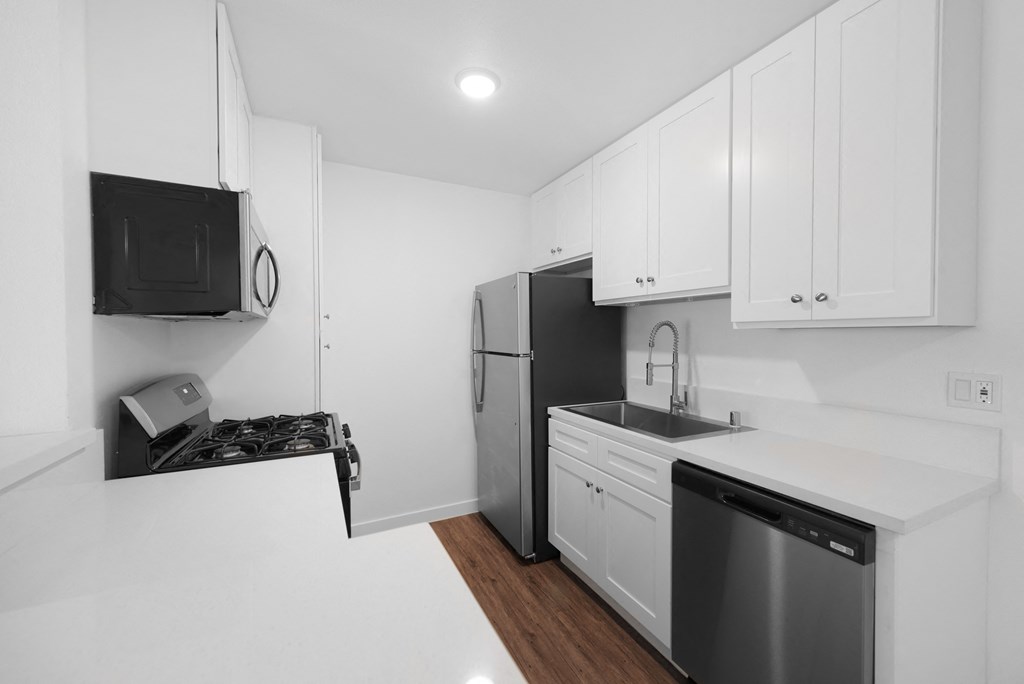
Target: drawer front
x=573 y=441
x=642 y=470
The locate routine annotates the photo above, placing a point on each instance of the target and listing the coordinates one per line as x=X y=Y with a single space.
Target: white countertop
x=237 y=574
x=22 y=456
x=892 y=493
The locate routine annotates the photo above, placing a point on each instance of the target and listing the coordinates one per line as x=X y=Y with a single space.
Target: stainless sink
x=649 y=421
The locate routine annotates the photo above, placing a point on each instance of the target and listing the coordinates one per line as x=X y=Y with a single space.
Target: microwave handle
x=277 y=278
x=267 y=306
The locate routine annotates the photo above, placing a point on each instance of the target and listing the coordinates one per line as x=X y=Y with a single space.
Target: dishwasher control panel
x=826 y=539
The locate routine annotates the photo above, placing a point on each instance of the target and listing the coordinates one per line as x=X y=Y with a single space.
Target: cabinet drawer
x=647 y=473
x=573 y=441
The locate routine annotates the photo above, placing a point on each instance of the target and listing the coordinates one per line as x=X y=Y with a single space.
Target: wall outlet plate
x=974 y=390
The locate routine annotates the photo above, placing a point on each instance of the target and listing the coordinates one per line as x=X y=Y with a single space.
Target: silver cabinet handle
x=552 y=250
x=327 y=346
x=559 y=250
x=796 y=299
x=327 y=316
x=599 y=490
x=820 y=297
x=589 y=484
x=650 y=280
x=640 y=281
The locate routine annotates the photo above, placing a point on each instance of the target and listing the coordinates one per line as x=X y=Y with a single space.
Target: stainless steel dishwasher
x=766 y=589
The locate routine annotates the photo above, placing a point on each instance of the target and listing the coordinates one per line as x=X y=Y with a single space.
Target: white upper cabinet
x=234 y=114
x=151 y=69
x=773 y=166
x=688 y=192
x=874 y=158
x=620 y=218
x=562 y=219
x=661 y=203
x=855 y=161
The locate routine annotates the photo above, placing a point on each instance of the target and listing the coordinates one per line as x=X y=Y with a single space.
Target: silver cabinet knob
x=639 y=281
x=599 y=490
x=820 y=297
x=590 y=484
x=650 y=280
x=559 y=249
x=327 y=346
x=327 y=316
x=796 y=299
x=552 y=250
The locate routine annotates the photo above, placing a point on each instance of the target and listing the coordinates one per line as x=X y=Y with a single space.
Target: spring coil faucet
x=676 y=405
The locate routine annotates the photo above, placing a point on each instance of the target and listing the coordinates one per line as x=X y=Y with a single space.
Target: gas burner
x=229 y=451
x=293 y=444
x=212 y=451
x=290 y=425
x=230 y=430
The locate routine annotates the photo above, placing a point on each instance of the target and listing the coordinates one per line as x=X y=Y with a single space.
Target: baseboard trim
x=425 y=515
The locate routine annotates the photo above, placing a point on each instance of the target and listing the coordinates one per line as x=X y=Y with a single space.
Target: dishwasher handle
x=732 y=500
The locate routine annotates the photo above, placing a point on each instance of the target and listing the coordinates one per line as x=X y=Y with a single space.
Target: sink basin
x=653 y=422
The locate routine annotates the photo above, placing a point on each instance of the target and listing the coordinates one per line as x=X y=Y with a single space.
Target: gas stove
x=256 y=439
x=166 y=427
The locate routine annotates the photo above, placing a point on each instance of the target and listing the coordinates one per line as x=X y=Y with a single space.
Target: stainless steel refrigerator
x=538 y=341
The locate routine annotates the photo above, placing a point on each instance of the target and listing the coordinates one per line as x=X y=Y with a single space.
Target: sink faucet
x=675 y=405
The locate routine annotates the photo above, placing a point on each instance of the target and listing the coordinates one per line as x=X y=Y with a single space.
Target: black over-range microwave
x=179 y=252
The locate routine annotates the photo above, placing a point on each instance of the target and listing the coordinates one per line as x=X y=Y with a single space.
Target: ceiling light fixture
x=477 y=83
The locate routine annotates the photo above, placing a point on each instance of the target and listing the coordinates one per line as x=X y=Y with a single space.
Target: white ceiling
x=378 y=76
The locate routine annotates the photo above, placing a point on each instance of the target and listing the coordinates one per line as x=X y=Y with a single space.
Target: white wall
x=904 y=370
x=77 y=216
x=401 y=258
x=266 y=367
x=33 y=356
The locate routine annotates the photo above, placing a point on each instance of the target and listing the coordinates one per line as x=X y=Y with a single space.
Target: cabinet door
x=620 y=218
x=230 y=91
x=874 y=164
x=635 y=562
x=544 y=205
x=575 y=213
x=572 y=522
x=244 y=149
x=773 y=155
x=688 y=193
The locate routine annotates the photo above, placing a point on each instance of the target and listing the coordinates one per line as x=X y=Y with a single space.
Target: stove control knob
x=345 y=430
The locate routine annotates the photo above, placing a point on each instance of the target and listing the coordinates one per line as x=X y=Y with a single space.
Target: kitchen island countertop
x=237 y=574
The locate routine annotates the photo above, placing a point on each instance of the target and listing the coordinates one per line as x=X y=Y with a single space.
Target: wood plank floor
x=554 y=626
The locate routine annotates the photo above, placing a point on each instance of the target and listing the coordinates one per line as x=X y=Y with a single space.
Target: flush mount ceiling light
x=477 y=83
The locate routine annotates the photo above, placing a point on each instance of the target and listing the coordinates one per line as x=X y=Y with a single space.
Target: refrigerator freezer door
x=501 y=315
x=503 y=437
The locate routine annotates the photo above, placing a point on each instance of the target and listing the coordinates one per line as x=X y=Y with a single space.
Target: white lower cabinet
x=634 y=553
x=572 y=525
x=617 y=535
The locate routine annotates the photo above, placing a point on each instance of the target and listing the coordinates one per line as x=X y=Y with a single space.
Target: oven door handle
x=355 y=481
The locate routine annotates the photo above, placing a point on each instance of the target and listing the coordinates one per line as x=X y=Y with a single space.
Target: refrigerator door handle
x=478 y=382
x=478 y=322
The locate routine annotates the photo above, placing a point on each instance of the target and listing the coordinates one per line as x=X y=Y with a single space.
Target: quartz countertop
x=237 y=574
x=892 y=493
x=22 y=456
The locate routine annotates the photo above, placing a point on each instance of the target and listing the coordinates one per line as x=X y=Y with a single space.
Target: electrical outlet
x=974 y=390
x=983 y=388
